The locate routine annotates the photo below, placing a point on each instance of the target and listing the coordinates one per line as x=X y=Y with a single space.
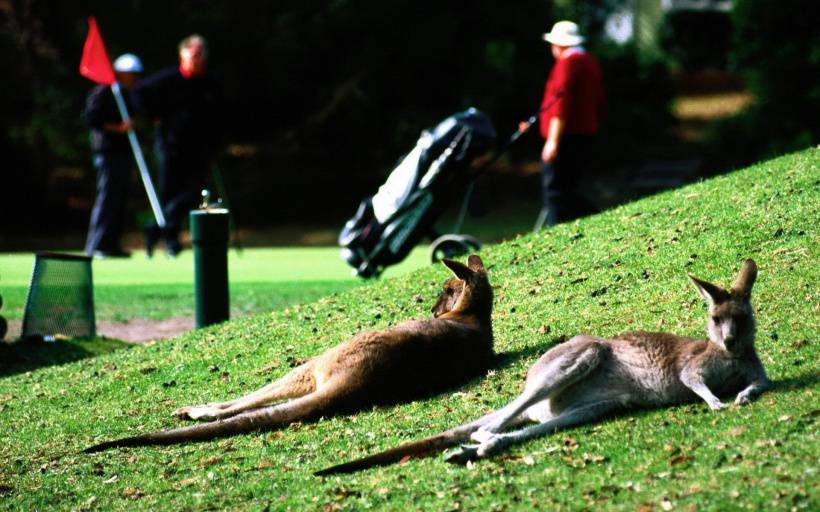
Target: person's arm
x=150 y=95
x=97 y=116
x=556 y=129
x=121 y=127
x=92 y=114
x=558 y=101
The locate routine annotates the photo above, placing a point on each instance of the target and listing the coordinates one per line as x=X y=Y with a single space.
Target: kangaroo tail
x=413 y=449
x=304 y=408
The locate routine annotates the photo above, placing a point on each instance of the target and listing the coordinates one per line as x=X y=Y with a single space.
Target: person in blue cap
x=112 y=160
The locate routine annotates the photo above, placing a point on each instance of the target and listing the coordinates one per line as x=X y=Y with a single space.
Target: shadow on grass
x=799 y=382
x=530 y=353
x=26 y=355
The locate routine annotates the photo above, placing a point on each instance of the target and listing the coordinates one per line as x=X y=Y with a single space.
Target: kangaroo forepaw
x=743 y=399
x=717 y=406
x=463 y=454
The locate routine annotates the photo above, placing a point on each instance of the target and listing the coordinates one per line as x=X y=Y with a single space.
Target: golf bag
x=390 y=223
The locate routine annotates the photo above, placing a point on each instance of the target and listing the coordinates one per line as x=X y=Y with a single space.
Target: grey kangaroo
x=586 y=378
x=410 y=360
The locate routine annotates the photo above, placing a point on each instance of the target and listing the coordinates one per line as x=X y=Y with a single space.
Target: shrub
x=696 y=39
x=638 y=94
x=777 y=49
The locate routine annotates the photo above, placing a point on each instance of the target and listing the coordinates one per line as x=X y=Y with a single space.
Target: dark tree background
x=776 y=46
x=324 y=95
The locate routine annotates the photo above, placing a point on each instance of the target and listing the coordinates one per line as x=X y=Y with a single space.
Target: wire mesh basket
x=60 y=299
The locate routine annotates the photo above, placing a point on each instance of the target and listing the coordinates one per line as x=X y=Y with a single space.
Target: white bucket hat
x=564 y=33
x=128 y=63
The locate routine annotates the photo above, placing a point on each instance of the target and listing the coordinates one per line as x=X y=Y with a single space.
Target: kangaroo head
x=731 y=323
x=468 y=292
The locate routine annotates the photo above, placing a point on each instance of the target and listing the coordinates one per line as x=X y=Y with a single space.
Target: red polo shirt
x=575 y=93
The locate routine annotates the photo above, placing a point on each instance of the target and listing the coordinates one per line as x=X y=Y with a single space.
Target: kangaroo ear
x=745 y=278
x=475 y=264
x=459 y=269
x=710 y=292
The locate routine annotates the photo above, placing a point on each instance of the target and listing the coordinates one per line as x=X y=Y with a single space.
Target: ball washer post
x=209 y=236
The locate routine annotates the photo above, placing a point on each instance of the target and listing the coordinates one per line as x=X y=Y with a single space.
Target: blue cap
x=128 y=63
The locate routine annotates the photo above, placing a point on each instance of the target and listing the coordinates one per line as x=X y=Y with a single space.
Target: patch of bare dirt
x=134 y=331
x=140 y=330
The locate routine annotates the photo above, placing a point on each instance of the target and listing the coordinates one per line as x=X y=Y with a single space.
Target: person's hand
x=481 y=161
x=550 y=151
x=121 y=127
x=523 y=126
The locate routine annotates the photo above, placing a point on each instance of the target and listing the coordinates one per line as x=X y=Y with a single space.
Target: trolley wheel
x=367 y=271
x=4 y=328
x=450 y=246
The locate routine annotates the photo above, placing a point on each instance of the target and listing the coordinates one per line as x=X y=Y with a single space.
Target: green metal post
x=209 y=234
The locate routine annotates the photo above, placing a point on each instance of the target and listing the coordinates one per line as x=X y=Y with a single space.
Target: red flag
x=95 y=64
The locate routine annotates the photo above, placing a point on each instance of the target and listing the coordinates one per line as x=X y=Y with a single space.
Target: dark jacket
x=190 y=111
x=100 y=108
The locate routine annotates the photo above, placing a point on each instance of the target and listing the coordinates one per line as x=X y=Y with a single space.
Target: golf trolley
x=390 y=223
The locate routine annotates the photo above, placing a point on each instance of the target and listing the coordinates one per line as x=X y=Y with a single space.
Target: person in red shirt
x=569 y=119
x=187 y=105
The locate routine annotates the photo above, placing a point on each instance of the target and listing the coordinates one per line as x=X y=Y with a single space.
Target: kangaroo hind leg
x=568 y=418
x=560 y=367
x=297 y=383
x=308 y=407
x=467 y=452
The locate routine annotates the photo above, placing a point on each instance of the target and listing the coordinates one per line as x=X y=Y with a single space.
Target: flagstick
x=135 y=146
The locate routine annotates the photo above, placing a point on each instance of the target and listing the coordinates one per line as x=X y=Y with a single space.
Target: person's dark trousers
x=107 y=216
x=563 y=179
x=181 y=178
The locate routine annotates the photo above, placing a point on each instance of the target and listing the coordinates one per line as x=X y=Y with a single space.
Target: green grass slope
x=621 y=270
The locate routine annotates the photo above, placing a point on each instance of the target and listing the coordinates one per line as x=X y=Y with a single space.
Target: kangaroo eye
x=716 y=319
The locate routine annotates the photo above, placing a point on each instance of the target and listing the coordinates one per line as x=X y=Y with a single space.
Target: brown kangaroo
x=410 y=360
x=586 y=378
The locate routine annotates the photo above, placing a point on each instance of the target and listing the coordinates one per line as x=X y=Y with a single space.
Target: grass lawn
x=618 y=271
x=261 y=280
